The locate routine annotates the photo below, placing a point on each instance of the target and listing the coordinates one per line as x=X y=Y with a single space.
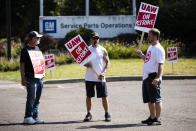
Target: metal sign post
x=41 y=8
x=8 y=15
x=87 y=7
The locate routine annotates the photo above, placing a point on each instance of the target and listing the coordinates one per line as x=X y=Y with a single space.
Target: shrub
x=167 y=43
x=60 y=44
x=3 y=47
x=9 y=65
x=16 y=47
x=85 y=34
x=16 y=39
x=119 y=50
x=126 y=38
x=46 y=43
x=64 y=58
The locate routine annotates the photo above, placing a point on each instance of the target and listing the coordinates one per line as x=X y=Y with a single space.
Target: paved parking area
x=63 y=107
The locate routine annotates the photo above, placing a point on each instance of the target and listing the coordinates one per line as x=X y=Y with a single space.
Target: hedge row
x=115 y=51
x=11 y=65
x=120 y=51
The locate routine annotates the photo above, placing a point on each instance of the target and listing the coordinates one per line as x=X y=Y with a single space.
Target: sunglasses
x=96 y=38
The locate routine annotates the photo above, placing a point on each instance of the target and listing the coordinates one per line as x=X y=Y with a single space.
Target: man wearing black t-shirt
x=33 y=85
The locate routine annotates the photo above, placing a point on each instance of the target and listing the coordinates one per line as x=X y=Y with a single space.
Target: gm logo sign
x=49 y=26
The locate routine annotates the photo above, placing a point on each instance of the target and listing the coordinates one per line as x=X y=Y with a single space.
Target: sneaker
x=157 y=121
x=151 y=121
x=148 y=121
x=107 y=117
x=29 y=120
x=88 y=117
x=38 y=121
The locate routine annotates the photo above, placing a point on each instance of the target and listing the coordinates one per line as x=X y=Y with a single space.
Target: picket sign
x=37 y=60
x=49 y=61
x=172 y=56
x=146 y=19
x=80 y=51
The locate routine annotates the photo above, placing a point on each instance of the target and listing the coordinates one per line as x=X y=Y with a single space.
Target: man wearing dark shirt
x=33 y=85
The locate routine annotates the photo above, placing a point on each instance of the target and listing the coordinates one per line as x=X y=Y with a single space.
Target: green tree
x=3 y=18
x=51 y=7
x=24 y=17
x=108 y=7
x=177 y=21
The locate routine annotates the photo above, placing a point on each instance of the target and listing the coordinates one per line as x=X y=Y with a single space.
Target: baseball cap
x=95 y=35
x=33 y=34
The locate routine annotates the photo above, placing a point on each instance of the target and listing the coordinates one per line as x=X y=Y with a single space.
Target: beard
x=95 y=43
x=38 y=42
x=150 y=40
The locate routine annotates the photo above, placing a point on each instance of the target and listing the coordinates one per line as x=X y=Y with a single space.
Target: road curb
x=120 y=78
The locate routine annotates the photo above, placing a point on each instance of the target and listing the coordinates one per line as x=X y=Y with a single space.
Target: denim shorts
x=101 y=89
x=150 y=93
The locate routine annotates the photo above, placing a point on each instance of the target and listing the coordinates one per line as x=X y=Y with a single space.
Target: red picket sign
x=172 y=54
x=49 y=61
x=79 y=50
x=146 y=17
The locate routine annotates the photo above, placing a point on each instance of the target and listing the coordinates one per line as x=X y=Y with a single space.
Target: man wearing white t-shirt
x=152 y=76
x=95 y=76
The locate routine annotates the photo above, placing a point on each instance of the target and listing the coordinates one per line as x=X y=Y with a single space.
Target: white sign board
x=106 y=26
x=146 y=17
x=37 y=60
x=172 y=54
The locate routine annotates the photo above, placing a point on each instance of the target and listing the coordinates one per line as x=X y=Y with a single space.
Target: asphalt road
x=63 y=107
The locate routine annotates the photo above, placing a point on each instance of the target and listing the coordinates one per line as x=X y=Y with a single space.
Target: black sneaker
x=88 y=117
x=107 y=117
x=157 y=121
x=148 y=121
x=151 y=121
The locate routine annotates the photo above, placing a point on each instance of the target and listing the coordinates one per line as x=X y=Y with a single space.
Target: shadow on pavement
x=63 y=122
x=112 y=126
x=11 y=124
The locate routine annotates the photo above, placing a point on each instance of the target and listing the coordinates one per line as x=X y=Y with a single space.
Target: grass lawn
x=120 y=67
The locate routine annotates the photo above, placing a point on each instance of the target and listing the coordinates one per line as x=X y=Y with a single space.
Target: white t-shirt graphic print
x=155 y=55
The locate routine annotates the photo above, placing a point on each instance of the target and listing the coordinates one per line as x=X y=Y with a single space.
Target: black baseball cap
x=33 y=34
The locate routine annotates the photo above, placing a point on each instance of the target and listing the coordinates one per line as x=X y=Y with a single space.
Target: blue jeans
x=34 y=91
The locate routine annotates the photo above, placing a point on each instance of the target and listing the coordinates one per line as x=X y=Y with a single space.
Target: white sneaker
x=38 y=121
x=29 y=120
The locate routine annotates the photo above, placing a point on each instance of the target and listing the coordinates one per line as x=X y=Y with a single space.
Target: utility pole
x=8 y=19
x=134 y=7
x=41 y=8
x=87 y=7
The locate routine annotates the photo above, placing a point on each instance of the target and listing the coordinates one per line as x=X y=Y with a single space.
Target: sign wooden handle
x=140 y=43
x=95 y=72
